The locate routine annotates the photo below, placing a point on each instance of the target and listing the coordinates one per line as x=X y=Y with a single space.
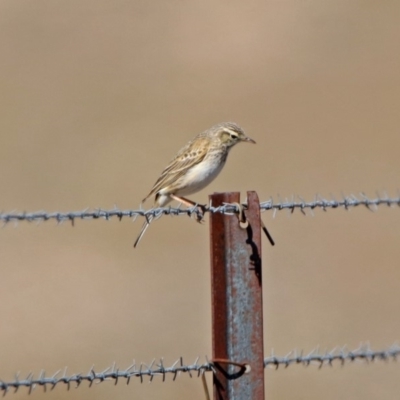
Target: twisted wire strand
x=363 y=353
x=295 y=203
x=328 y=358
x=112 y=373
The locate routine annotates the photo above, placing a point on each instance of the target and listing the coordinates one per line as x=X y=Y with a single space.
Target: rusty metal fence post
x=237 y=316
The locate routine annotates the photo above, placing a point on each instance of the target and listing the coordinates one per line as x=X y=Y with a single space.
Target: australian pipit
x=195 y=166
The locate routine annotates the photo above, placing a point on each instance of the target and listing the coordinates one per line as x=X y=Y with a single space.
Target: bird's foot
x=200 y=211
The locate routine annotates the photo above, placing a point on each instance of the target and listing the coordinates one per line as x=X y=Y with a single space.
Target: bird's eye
x=234 y=137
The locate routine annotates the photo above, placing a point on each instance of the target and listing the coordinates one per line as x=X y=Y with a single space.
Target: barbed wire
x=295 y=203
x=113 y=373
x=363 y=353
x=338 y=354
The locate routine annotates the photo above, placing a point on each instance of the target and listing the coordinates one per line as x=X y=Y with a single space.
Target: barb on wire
x=296 y=203
x=157 y=369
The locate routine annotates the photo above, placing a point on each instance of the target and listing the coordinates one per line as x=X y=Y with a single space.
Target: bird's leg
x=190 y=203
x=184 y=200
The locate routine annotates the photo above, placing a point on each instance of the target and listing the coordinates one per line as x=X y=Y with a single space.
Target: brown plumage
x=195 y=166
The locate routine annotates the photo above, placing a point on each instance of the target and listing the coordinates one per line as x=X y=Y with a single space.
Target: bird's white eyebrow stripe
x=230 y=132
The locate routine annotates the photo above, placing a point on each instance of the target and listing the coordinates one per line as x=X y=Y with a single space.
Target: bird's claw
x=201 y=209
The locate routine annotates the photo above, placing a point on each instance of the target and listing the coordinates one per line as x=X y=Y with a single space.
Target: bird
x=195 y=165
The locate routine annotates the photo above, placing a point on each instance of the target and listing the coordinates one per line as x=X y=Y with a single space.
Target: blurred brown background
x=97 y=96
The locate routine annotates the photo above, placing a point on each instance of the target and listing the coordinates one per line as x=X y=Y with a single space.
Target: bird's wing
x=189 y=156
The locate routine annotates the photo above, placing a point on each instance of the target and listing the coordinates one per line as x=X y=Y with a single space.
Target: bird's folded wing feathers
x=189 y=156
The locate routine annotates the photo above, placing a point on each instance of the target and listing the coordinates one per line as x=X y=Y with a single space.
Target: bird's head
x=229 y=133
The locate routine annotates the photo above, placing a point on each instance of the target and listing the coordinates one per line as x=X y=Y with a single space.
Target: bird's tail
x=146 y=224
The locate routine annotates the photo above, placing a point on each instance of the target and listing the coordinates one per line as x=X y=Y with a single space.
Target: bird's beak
x=250 y=140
